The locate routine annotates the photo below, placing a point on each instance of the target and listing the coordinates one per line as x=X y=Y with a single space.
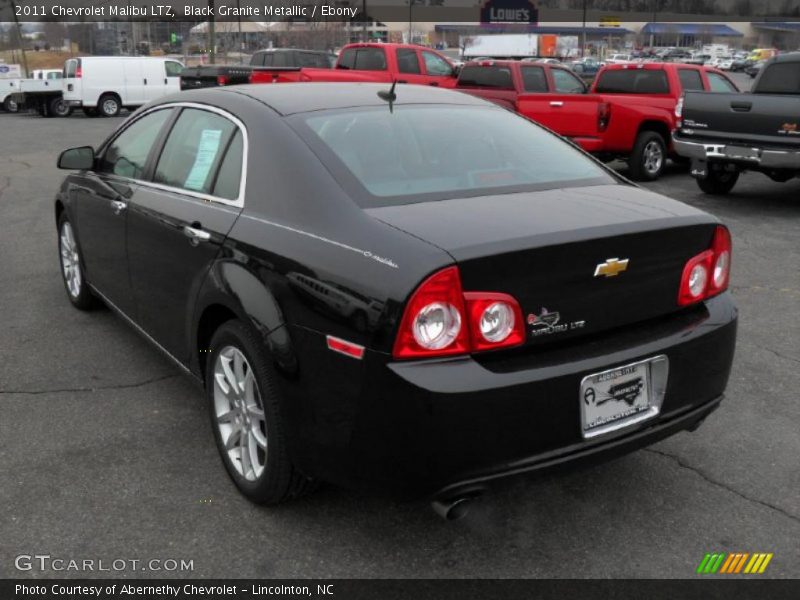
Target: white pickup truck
x=43 y=92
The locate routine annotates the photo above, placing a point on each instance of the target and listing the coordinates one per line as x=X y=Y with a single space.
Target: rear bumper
x=430 y=428
x=715 y=152
x=594 y=145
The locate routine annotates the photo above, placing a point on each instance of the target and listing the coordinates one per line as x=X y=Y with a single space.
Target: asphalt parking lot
x=107 y=453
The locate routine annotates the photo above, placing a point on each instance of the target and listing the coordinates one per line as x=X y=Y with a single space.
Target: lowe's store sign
x=509 y=11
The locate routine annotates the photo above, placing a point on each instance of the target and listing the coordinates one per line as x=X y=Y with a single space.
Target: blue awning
x=709 y=29
x=790 y=26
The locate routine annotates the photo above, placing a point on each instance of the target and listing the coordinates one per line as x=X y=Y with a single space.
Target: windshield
x=423 y=152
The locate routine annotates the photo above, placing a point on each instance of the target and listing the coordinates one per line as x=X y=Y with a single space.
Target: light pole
x=583 y=43
x=19 y=37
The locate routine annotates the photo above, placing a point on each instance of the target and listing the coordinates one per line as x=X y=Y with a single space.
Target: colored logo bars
x=734 y=563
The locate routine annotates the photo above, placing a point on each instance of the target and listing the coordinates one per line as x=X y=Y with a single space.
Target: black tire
x=59 y=108
x=718 y=182
x=83 y=299
x=10 y=106
x=649 y=157
x=279 y=481
x=90 y=112
x=109 y=105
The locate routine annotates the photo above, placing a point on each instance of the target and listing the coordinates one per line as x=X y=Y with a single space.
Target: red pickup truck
x=629 y=112
x=374 y=63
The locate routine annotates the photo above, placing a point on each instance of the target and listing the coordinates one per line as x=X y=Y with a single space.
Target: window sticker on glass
x=206 y=154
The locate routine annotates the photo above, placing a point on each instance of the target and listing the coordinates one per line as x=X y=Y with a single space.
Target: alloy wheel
x=239 y=413
x=653 y=157
x=70 y=260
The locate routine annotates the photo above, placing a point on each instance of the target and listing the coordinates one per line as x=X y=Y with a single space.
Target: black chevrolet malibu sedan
x=414 y=291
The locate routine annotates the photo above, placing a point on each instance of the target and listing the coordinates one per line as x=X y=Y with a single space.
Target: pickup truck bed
x=725 y=134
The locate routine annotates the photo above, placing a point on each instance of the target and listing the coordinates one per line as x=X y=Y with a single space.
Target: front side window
x=70 y=67
x=567 y=83
x=690 y=80
x=718 y=83
x=127 y=155
x=418 y=153
x=193 y=151
x=407 y=61
x=173 y=68
x=436 y=65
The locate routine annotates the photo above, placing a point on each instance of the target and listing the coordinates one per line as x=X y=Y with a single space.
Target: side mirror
x=456 y=70
x=77 y=159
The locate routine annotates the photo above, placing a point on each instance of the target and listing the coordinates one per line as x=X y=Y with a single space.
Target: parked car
x=629 y=112
x=504 y=81
x=726 y=134
x=619 y=59
x=586 y=67
x=740 y=64
x=275 y=58
x=698 y=58
x=105 y=85
x=437 y=207
x=755 y=68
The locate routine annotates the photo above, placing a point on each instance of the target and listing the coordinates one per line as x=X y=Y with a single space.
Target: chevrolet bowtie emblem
x=611 y=268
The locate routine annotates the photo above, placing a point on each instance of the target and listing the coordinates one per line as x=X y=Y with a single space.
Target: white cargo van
x=105 y=84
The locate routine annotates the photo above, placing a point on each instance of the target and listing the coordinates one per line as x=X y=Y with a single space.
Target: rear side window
x=127 y=155
x=486 y=77
x=193 y=150
x=230 y=171
x=633 y=81
x=718 y=83
x=364 y=59
x=407 y=61
x=566 y=83
x=533 y=79
x=690 y=80
x=780 y=78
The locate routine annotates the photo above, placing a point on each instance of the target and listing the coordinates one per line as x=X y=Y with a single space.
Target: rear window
x=486 y=77
x=313 y=59
x=71 y=66
x=364 y=59
x=633 y=81
x=416 y=153
x=780 y=78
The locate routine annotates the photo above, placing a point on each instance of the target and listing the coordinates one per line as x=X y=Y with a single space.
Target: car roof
x=292 y=98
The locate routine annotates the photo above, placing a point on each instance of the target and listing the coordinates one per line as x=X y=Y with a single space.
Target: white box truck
x=106 y=84
x=501 y=45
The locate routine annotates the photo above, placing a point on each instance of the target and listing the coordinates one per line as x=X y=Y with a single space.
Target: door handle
x=741 y=106
x=196 y=235
x=434 y=83
x=166 y=82
x=556 y=103
x=145 y=81
x=118 y=206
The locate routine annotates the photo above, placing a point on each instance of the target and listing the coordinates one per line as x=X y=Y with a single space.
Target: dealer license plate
x=622 y=396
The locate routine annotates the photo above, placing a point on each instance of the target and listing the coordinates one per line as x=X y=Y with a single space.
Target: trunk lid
x=544 y=249
x=743 y=118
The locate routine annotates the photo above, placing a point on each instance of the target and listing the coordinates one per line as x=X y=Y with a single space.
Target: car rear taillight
x=441 y=320
x=603 y=116
x=222 y=80
x=708 y=273
x=679 y=113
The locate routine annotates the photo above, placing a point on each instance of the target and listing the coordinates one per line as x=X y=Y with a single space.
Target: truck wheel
x=109 y=105
x=59 y=108
x=10 y=106
x=90 y=112
x=649 y=157
x=718 y=182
